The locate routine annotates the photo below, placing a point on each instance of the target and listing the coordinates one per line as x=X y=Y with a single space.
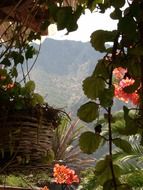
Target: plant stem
x=110 y=148
x=109 y=110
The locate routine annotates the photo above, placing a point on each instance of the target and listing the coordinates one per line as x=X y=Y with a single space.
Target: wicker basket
x=26 y=136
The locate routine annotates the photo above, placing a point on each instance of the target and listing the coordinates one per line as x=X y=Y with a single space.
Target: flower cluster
x=122 y=81
x=64 y=175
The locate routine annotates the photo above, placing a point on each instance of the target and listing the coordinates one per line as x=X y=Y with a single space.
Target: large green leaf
x=99 y=37
x=128 y=26
x=117 y=3
x=123 y=144
x=116 y=14
x=107 y=174
x=89 y=142
x=134 y=67
x=64 y=14
x=106 y=97
x=93 y=86
x=101 y=165
x=88 y=112
x=102 y=69
x=67 y=18
x=131 y=127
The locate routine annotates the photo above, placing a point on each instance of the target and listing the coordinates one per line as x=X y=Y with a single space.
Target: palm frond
x=65 y=145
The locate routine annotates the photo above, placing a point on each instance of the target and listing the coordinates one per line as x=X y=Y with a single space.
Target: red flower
x=121 y=83
x=64 y=175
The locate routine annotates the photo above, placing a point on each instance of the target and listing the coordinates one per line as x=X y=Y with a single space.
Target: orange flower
x=121 y=83
x=64 y=175
x=44 y=188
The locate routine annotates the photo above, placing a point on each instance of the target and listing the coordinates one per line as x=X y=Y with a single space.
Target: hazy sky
x=87 y=24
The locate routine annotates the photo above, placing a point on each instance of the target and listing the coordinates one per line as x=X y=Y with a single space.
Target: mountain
x=61 y=67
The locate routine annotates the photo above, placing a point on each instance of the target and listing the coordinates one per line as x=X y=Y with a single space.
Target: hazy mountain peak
x=61 y=67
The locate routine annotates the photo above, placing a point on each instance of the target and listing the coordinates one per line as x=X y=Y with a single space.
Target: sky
x=87 y=23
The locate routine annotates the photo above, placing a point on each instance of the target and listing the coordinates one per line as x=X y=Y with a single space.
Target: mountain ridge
x=61 y=67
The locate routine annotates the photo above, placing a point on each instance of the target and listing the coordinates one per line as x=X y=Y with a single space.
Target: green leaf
x=102 y=69
x=37 y=99
x=99 y=37
x=89 y=142
x=106 y=97
x=123 y=144
x=72 y=25
x=30 y=52
x=131 y=127
x=134 y=68
x=107 y=174
x=6 y=62
x=117 y=3
x=63 y=16
x=30 y=86
x=72 y=20
x=101 y=165
x=135 y=9
x=14 y=72
x=93 y=87
x=116 y=14
x=17 y=57
x=128 y=26
x=88 y=112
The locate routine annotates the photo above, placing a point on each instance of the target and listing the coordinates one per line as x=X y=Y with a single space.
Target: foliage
x=88 y=179
x=13 y=181
x=135 y=179
x=24 y=23
x=65 y=145
x=101 y=88
x=119 y=74
x=25 y=180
